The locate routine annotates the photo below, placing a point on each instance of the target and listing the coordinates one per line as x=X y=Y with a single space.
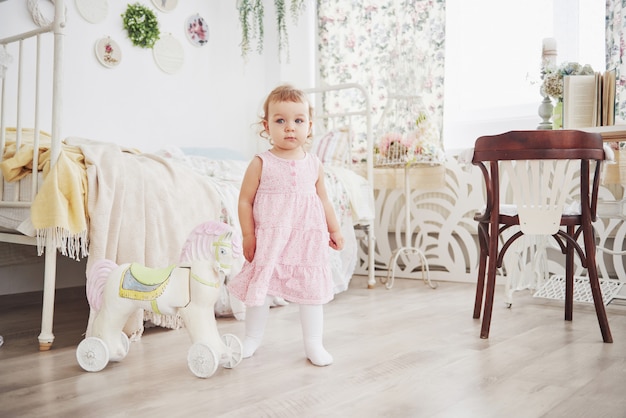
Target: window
x=493 y=59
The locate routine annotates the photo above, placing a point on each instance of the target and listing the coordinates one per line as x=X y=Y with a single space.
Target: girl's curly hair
x=283 y=93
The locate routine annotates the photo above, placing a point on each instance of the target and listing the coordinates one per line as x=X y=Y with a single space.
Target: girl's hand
x=249 y=247
x=336 y=241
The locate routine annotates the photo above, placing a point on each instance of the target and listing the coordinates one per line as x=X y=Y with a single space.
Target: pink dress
x=292 y=252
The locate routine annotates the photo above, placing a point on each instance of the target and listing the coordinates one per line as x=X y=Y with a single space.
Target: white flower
x=553 y=78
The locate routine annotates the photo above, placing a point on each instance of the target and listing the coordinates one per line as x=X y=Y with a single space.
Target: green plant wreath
x=142 y=25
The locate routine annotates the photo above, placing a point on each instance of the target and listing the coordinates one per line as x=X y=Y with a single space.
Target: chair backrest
x=544 y=169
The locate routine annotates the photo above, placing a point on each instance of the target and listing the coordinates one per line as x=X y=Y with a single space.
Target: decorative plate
x=165 y=5
x=197 y=30
x=93 y=11
x=168 y=54
x=108 y=52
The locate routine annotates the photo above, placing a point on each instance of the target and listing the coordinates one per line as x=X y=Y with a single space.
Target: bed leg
x=46 y=337
x=371 y=253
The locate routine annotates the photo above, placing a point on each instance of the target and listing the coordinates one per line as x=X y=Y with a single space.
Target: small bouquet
x=420 y=145
x=553 y=78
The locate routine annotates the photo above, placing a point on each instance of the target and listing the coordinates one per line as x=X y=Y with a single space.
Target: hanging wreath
x=142 y=25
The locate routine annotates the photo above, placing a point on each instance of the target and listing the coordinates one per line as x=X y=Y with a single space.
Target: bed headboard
x=29 y=60
x=355 y=121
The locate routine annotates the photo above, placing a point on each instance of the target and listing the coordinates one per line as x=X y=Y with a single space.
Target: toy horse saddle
x=139 y=282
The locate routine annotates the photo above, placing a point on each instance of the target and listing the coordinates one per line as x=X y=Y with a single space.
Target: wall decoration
x=142 y=25
x=108 y=52
x=41 y=18
x=93 y=11
x=168 y=54
x=197 y=30
x=165 y=5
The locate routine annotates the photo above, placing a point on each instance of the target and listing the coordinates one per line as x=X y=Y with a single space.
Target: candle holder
x=545 y=113
x=548 y=60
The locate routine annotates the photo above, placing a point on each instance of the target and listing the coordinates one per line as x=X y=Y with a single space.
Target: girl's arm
x=334 y=229
x=249 y=186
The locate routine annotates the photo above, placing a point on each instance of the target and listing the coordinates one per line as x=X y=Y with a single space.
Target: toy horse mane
x=199 y=244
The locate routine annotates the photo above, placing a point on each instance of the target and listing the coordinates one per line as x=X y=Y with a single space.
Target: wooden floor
x=406 y=352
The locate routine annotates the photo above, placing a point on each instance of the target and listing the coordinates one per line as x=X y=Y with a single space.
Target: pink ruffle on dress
x=292 y=253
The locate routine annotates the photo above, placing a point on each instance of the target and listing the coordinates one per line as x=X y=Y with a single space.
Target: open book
x=589 y=100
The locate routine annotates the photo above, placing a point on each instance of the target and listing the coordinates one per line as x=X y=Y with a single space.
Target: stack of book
x=589 y=100
x=589 y=105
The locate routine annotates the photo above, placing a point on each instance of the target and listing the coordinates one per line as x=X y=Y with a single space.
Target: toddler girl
x=287 y=222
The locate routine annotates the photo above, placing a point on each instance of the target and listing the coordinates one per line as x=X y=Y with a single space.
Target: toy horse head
x=212 y=240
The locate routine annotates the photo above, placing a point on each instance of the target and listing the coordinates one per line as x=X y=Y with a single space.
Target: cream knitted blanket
x=141 y=209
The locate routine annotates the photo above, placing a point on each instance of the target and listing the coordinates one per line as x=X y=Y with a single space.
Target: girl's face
x=288 y=124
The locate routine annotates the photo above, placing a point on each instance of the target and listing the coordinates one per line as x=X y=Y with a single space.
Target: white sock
x=312 y=321
x=256 y=318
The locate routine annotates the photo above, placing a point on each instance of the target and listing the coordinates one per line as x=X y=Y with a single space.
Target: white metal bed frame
x=55 y=29
x=348 y=119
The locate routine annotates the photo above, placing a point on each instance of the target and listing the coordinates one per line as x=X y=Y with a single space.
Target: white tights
x=311 y=320
x=256 y=318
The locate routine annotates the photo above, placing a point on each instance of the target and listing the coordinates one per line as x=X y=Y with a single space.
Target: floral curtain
x=390 y=46
x=615 y=45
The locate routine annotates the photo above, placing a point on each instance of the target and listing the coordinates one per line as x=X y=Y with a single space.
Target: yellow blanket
x=59 y=208
x=15 y=164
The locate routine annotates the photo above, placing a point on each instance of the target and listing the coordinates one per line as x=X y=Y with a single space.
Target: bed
x=89 y=199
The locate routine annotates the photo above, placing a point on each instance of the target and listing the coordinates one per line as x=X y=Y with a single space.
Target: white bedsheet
x=16 y=220
x=11 y=217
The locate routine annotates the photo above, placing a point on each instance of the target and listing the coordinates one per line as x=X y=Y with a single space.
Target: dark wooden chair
x=540 y=166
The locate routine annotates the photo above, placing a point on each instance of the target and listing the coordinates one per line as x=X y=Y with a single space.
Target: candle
x=548 y=52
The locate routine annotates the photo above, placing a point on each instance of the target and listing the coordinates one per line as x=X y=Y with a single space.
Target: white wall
x=212 y=101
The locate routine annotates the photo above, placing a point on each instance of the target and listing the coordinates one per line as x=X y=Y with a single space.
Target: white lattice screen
x=444 y=229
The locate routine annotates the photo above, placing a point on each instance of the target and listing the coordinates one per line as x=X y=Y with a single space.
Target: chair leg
x=489 y=296
x=491 y=281
x=480 y=286
x=482 y=264
x=569 y=277
x=594 y=282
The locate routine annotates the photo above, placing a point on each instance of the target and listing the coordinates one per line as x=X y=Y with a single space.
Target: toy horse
x=191 y=289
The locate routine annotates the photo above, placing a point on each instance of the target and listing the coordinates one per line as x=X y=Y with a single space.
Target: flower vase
x=557 y=115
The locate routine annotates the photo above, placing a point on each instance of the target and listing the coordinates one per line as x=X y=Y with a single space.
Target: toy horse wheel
x=202 y=360
x=233 y=354
x=125 y=343
x=92 y=354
